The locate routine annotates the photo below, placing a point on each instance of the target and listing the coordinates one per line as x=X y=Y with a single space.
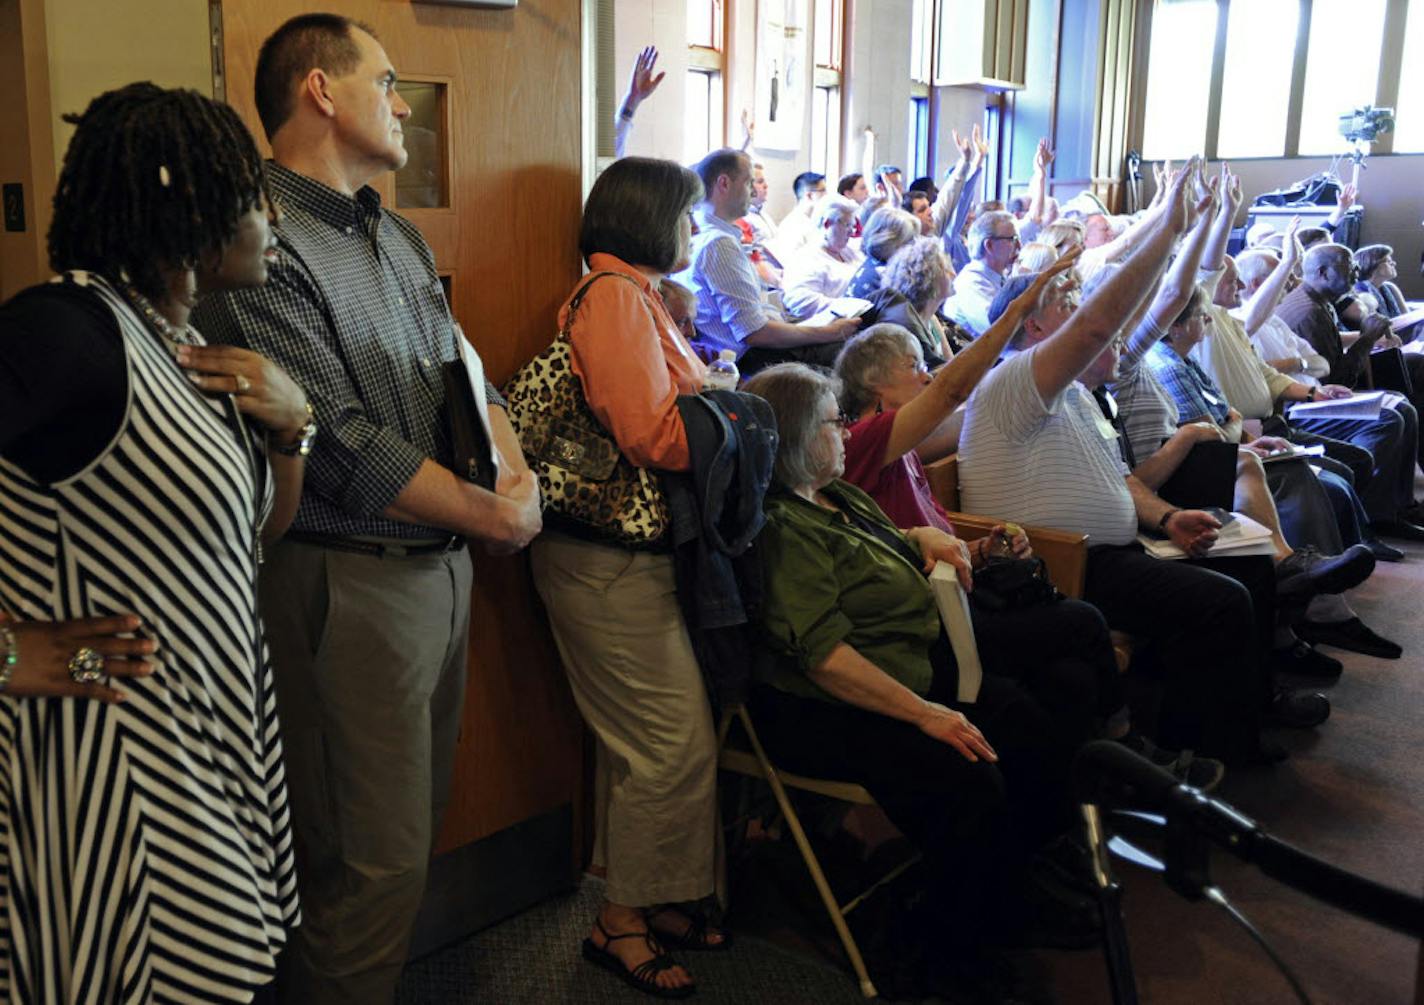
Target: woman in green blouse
x=860 y=685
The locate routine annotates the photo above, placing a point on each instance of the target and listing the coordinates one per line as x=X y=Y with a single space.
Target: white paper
x=1365 y=405
x=1242 y=536
x=953 y=605
x=841 y=307
x=475 y=367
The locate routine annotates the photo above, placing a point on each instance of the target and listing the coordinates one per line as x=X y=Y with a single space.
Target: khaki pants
x=369 y=659
x=630 y=665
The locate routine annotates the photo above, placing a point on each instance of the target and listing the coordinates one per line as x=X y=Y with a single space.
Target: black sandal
x=694 y=936
x=644 y=976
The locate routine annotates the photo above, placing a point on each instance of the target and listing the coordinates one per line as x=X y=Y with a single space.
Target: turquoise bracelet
x=12 y=655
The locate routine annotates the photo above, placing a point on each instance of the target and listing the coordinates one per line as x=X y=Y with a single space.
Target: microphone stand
x=1109 y=895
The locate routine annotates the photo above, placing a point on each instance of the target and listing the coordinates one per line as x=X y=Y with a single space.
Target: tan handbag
x=590 y=489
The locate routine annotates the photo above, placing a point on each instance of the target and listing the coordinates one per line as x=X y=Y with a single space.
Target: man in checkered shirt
x=366 y=601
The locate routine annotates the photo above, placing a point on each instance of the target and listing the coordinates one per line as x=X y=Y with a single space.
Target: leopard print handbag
x=590 y=489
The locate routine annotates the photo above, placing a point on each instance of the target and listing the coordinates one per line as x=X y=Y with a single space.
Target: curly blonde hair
x=1061 y=235
x=914 y=270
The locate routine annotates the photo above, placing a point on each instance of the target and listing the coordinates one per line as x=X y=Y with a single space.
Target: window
x=921 y=40
x=1288 y=71
x=1409 y=130
x=826 y=95
x=1255 y=90
x=1341 y=69
x=702 y=124
x=1179 y=77
x=917 y=160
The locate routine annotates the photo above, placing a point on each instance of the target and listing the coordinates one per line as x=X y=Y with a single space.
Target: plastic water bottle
x=722 y=373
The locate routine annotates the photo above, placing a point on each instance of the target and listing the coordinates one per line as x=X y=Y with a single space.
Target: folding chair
x=755 y=764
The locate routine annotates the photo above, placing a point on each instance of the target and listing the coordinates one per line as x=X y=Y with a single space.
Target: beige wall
x=97 y=45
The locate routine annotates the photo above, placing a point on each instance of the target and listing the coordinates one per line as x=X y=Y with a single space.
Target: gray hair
x=833 y=205
x=866 y=361
x=795 y=393
x=983 y=229
x=913 y=269
x=1035 y=257
x=1059 y=233
x=1317 y=256
x=887 y=231
x=1254 y=264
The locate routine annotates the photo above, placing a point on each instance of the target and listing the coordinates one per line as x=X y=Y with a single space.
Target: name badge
x=1105 y=428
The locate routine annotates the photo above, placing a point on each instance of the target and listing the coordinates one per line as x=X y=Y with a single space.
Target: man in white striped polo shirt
x=1037 y=450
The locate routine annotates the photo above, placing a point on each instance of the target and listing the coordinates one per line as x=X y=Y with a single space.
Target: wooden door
x=494 y=186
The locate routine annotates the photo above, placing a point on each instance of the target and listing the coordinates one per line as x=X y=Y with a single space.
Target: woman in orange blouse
x=614 y=611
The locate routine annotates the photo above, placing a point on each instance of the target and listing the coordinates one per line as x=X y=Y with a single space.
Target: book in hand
x=1365 y=405
x=953 y=605
x=1239 y=535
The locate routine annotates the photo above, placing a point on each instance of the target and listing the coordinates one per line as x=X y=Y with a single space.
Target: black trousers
x=974 y=822
x=1061 y=655
x=822 y=354
x=1208 y=625
x=1392 y=442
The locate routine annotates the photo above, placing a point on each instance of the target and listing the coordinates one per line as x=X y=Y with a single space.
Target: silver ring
x=86 y=666
x=243 y=384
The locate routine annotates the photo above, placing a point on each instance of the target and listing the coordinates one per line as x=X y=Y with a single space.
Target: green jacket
x=829 y=582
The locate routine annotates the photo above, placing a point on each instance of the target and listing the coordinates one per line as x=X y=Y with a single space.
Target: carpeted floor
x=1352 y=793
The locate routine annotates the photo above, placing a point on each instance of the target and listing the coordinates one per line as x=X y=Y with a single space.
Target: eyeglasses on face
x=1006 y=237
x=842 y=420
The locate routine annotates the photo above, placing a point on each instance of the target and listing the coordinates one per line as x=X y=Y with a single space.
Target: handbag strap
x=578 y=298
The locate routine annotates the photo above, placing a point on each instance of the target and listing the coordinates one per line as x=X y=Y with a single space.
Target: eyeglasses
x=917 y=365
x=1005 y=237
x=841 y=420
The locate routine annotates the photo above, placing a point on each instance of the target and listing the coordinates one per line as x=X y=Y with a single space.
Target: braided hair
x=152 y=180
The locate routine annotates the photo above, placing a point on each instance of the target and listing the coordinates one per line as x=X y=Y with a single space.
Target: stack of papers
x=1366 y=405
x=1241 y=536
x=1316 y=450
x=841 y=307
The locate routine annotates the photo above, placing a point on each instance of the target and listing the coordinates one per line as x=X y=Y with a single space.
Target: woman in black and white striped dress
x=145 y=854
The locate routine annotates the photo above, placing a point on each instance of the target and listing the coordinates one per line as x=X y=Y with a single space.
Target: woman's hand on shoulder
x=951 y=727
x=44 y=650
x=260 y=388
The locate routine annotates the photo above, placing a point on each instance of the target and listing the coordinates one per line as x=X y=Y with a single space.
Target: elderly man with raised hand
x=732 y=311
x=822 y=269
x=367 y=599
x=1035 y=449
x=993 y=247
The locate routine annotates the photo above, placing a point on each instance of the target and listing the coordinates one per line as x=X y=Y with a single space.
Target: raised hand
x=1290 y=245
x=1347 y=197
x=1042 y=157
x=1176 y=210
x=981 y=145
x=963 y=144
x=749 y=125
x=44 y=650
x=642 y=83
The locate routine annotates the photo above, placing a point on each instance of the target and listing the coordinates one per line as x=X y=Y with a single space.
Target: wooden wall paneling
x=509 y=244
x=26 y=142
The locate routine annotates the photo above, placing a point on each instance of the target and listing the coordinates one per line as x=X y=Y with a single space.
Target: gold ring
x=243 y=384
x=86 y=666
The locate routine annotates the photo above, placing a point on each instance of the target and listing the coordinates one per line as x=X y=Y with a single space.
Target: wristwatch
x=1162 y=523
x=1310 y=395
x=306 y=436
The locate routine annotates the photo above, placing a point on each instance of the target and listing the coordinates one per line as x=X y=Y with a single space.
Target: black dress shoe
x=1354 y=635
x=1399 y=528
x=1384 y=552
x=1297 y=709
x=1306 y=571
x=1300 y=659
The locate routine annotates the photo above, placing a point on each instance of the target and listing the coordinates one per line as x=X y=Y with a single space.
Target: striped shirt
x=354 y=311
x=730 y=305
x=1147 y=411
x=1049 y=463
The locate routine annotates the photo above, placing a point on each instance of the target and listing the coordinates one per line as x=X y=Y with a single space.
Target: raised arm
x=954 y=183
x=1230 y=200
x=748 y=131
x=1268 y=295
x=958 y=378
x=1343 y=202
x=1181 y=278
x=1038 y=184
x=1058 y=361
x=641 y=85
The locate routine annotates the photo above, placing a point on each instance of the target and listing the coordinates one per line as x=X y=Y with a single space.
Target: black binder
x=1206 y=477
x=473 y=458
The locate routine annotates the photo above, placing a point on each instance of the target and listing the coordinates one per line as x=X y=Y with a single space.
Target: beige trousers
x=369 y=657
x=630 y=665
